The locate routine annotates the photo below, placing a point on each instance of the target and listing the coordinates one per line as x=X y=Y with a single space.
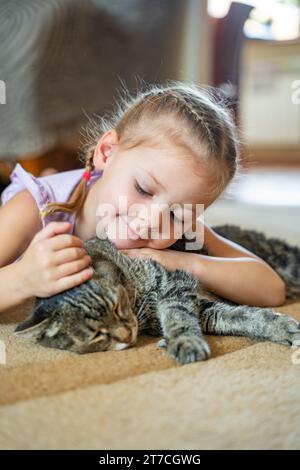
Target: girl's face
x=146 y=197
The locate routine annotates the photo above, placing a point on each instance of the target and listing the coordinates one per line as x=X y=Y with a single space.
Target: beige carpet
x=247 y=396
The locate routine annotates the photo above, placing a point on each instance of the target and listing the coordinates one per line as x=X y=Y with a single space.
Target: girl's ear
x=105 y=148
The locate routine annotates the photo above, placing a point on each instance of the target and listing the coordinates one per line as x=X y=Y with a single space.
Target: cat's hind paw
x=186 y=349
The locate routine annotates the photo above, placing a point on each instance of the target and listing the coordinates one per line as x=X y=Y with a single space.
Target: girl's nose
x=154 y=221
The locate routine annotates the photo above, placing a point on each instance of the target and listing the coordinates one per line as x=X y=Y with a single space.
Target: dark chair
x=228 y=42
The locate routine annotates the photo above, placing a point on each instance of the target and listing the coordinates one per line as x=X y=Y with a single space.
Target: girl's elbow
x=279 y=294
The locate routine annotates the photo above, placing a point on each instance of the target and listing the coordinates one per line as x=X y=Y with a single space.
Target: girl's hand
x=54 y=261
x=170 y=259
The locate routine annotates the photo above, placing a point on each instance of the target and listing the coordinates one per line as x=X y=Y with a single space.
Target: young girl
x=171 y=144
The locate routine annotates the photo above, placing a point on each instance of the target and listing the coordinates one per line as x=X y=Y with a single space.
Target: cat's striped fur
x=127 y=296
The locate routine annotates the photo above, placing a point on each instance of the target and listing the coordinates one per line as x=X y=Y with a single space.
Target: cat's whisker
x=134 y=301
x=138 y=314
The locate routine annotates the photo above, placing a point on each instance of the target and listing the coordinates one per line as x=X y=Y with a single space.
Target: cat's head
x=97 y=318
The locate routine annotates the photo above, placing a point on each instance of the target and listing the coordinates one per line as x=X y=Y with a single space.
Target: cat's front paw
x=186 y=349
x=285 y=330
x=162 y=344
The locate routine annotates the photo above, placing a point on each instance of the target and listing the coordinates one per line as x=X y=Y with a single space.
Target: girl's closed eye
x=146 y=194
x=141 y=190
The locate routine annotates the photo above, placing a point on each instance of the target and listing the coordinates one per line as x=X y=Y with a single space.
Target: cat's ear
x=122 y=305
x=32 y=327
x=36 y=323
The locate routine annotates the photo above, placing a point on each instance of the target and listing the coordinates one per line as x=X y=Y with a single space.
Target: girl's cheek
x=171 y=233
x=162 y=243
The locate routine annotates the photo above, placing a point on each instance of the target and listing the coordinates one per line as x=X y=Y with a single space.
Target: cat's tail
x=280 y=255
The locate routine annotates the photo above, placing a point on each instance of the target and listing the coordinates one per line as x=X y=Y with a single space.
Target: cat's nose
x=123 y=343
x=128 y=337
x=124 y=336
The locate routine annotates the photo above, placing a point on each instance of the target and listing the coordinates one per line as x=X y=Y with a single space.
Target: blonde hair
x=193 y=118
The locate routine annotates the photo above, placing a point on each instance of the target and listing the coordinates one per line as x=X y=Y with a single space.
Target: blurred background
x=63 y=60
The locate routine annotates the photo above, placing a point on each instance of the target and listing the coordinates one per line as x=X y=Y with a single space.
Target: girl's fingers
x=132 y=252
x=64 y=241
x=137 y=253
x=69 y=254
x=53 y=228
x=73 y=280
x=77 y=266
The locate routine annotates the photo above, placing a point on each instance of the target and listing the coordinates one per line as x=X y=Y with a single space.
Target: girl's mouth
x=130 y=232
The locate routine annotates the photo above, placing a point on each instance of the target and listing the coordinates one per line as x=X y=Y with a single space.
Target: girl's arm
x=243 y=280
x=52 y=260
x=230 y=270
x=236 y=273
x=11 y=287
x=19 y=221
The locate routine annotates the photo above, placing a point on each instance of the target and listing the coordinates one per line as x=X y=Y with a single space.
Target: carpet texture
x=245 y=397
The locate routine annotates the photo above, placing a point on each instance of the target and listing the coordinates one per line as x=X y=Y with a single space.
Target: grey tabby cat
x=127 y=297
